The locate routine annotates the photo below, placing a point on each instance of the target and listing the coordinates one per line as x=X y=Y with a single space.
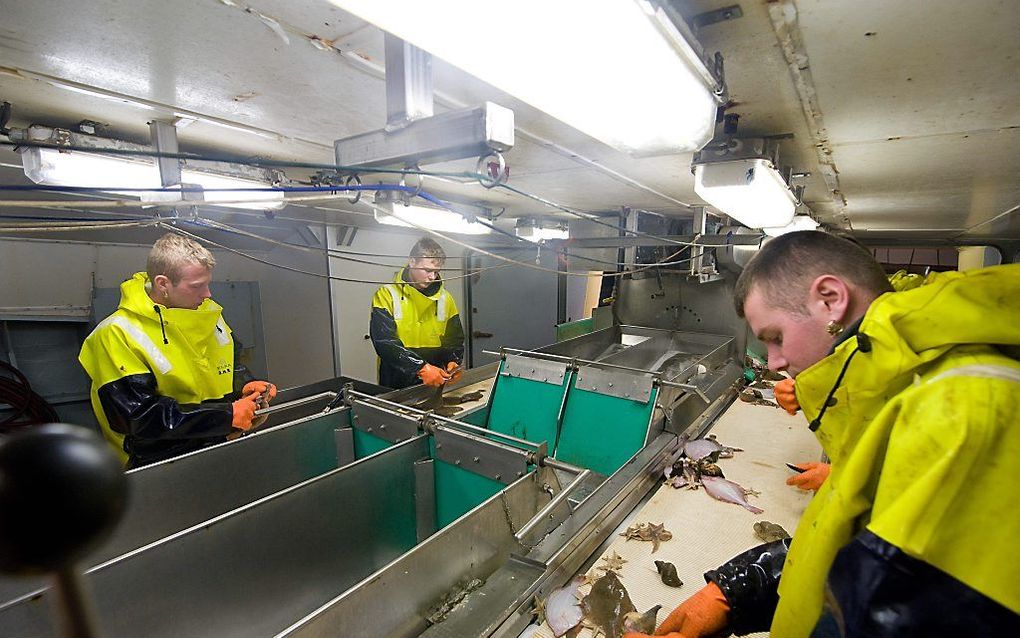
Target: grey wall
x=295 y=307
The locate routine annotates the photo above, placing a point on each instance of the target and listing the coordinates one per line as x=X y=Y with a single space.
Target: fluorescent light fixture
x=104 y=172
x=617 y=70
x=750 y=191
x=800 y=222
x=533 y=231
x=439 y=220
x=262 y=200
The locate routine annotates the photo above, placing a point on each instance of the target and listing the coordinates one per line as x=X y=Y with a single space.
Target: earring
x=833 y=328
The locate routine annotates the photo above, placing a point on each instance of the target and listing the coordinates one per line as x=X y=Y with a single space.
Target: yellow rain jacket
x=160 y=376
x=923 y=431
x=411 y=327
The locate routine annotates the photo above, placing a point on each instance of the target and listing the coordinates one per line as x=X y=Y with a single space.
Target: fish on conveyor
x=606 y=605
x=463 y=398
x=641 y=623
x=433 y=401
x=725 y=490
x=702 y=449
x=562 y=610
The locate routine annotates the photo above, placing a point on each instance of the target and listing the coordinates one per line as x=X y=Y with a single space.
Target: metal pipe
x=688 y=387
x=486 y=441
x=481 y=430
x=575 y=360
x=545 y=511
x=560 y=465
x=295 y=403
x=433 y=415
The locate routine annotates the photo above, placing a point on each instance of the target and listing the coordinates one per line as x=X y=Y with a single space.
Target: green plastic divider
x=365 y=444
x=573 y=329
x=458 y=491
x=526 y=409
x=601 y=432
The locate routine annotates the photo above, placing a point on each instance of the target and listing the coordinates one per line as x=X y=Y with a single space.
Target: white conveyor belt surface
x=707 y=532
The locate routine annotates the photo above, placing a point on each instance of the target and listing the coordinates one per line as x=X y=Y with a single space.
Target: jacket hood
x=907 y=331
x=134 y=299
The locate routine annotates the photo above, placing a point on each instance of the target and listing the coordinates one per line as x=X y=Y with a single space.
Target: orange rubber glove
x=264 y=388
x=454 y=376
x=785 y=396
x=244 y=412
x=703 y=614
x=812 y=477
x=432 y=376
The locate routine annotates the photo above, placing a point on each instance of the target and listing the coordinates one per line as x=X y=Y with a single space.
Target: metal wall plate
x=615 y=383
x=534 y=369
x=383 y=423
x=481 y=456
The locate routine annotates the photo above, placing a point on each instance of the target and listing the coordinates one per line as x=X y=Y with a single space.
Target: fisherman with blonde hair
x=162 y=365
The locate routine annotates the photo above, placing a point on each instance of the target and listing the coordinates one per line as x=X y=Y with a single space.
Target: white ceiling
x=921 y=116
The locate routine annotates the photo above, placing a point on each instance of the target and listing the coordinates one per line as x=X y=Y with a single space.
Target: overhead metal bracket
x=472 y=132
x=413 y=135
x=731 y=12
x=408 y=83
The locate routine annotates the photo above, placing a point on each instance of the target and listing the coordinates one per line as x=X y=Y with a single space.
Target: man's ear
x=829 y=297
x=160 y=284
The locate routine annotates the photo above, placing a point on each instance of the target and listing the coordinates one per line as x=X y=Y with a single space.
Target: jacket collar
x=431 y=292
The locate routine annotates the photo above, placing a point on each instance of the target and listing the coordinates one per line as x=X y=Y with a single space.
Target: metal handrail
x=550 y=506
x=295 y=403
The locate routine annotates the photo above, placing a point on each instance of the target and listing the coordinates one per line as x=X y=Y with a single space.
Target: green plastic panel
x=477 y=417
x=601 y=432
x=365 y=444
x=458 y=491
x=573 y=329
x=527 y=409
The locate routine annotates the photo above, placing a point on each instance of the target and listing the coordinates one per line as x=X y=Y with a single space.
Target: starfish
x=538 y=611
x=613 y=563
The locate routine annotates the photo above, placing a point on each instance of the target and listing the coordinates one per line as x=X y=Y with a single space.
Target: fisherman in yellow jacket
x=915 y=398
x=415 y=326
x=162 y=365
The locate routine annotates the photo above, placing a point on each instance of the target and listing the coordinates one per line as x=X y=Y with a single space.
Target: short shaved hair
x=172 y=253
x=427 y=248
x=785 y=267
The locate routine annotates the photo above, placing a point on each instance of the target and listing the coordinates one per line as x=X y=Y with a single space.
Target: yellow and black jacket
x=915 y=531
x=162 y=378
x=411 y=327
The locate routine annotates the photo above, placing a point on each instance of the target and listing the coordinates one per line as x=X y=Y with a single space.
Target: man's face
x=422 y=272
x=795 y=341
x=191 y=290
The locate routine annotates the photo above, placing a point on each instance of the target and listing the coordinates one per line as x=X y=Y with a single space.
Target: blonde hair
x=172 y=253
x=427 y=248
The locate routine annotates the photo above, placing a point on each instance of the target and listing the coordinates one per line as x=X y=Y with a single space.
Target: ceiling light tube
x=644 y=94
x=439 y=220
x=800 y=222
x=750 y=191
x=104 y=172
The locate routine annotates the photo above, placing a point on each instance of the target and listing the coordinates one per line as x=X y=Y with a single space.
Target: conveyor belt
x=706 y=532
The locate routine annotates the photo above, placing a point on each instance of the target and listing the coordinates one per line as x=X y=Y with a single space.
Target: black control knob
x=62 y=492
